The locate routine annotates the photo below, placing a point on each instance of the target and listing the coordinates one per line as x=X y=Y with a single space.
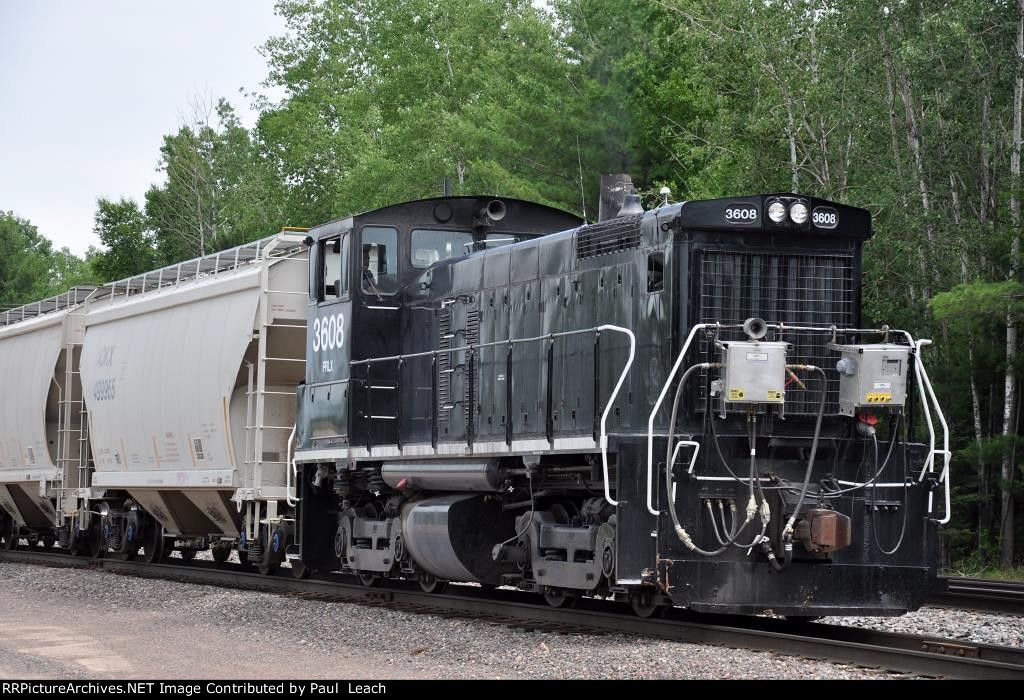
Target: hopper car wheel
x=188 y=554
x=369 y=579
x=268 y=569
x=432 y=584
x=95 y=542
x=644 y=604
x=300 y=570
x=559 y=597
x=75 y=545
x=153 y=547
x=221 y=553
x=48 y=541
x=243 y=559
x=10 y=533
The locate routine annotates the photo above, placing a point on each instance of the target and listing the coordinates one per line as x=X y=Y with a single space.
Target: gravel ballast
x=962 y=625
x=168 y=629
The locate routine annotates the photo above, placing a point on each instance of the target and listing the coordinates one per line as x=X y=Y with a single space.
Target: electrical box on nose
x=872 y=376
x=754 y=371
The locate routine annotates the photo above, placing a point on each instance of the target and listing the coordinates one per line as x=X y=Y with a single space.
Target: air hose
x=681 y=532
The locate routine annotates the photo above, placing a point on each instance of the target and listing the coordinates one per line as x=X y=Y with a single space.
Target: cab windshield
x=431 y=246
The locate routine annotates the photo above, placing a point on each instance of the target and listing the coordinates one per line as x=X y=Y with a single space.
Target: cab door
x=328 y=348
x=376 y=316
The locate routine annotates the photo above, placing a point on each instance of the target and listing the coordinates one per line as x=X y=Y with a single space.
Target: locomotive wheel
x=560 y=513
x=221 y=552
x=188 y=554
x=432 y=584
x=300 y=570
x=559 y=597
x=153 y=546
x=369 y=579
x=644 y=604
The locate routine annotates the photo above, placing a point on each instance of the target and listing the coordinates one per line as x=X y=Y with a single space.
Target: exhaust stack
x=614 y=188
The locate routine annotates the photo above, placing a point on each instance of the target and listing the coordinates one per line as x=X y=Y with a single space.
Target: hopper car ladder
x=253 y=459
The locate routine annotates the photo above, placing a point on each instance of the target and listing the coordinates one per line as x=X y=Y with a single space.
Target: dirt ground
x=42 y=638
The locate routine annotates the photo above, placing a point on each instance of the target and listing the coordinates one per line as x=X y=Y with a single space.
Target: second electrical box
x=872 y=376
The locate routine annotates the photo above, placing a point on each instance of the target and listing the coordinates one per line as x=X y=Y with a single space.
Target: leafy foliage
x=906 y=108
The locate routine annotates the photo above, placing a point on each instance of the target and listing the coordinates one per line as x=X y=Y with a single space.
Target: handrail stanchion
x=549 y=420
x=398 y=406
x=368 y=402
x=597 y=380
x=508 y=394
x=470 y=400
x=433 y=402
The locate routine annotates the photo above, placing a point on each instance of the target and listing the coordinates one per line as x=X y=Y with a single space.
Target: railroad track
x=904 y=653
x=982 y=594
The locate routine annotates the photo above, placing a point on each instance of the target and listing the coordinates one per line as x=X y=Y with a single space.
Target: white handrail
x=657 y=406
x=924 y=386
x=929 y=461
x=944 y=476
x=693 y=461
x=289 y=466
x=611 y=401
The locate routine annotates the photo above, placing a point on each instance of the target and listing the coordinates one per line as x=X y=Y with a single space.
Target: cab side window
x=333 y=277
x=378 y=269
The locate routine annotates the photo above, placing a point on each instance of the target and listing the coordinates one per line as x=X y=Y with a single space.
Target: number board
x=741 y=214
x=825 y=217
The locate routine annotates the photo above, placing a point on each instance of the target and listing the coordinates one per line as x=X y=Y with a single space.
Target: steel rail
x=904 y=653
x=981 y=594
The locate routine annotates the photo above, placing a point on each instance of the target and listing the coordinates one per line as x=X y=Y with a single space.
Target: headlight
x=776 y=212
x=798 y=213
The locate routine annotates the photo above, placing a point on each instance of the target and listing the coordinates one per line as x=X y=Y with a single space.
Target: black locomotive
x=674 y=406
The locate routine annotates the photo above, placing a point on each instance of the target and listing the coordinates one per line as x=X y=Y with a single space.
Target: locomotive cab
x=360 y=267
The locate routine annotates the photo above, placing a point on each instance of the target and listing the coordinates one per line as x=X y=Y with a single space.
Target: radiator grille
x=472 y=338
x=794 y=289
x=444 y=363
x=608 y=237
x=449 y=363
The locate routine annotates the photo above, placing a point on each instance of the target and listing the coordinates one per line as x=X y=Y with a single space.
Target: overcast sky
x=89 y=87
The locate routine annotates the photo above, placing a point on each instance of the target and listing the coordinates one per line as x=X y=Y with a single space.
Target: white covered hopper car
x=182 y=439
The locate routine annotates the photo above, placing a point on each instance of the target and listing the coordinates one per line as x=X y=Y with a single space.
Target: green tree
x=121 y=227
x=213 y=196
x=25 y=260
x=30 y=269
x=383 y=100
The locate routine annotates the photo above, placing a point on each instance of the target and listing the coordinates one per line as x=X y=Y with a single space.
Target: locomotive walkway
x=906 y=653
